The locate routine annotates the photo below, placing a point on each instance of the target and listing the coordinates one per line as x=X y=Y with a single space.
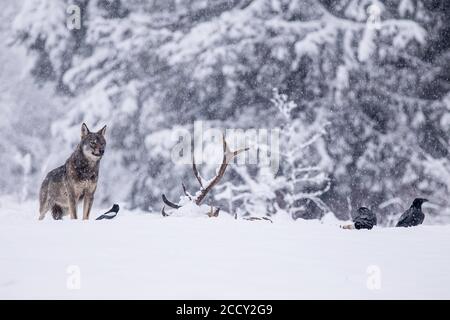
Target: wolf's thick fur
x=64 y=187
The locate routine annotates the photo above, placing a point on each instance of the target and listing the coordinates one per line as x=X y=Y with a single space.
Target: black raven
x=364 y=219
x=414 y=215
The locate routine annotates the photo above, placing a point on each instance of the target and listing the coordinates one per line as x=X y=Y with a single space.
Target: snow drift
x=139 y=255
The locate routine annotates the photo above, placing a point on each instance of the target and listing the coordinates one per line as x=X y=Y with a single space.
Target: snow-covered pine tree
x=146 y=67
x=305 y=163
x=302 y=178
x=388 y=112
x=25 y=115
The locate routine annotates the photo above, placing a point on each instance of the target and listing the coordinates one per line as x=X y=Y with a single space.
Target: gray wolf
x=64 y=187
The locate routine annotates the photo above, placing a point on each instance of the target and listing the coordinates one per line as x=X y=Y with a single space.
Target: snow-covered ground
x=141 y=255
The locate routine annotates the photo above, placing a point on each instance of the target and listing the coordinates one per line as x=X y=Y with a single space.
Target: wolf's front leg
x=88 y=201
x=72 y=204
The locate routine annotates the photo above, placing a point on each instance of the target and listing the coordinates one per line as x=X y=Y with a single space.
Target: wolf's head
x=93 y=144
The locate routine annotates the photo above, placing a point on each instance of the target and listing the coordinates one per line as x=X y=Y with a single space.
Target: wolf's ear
x=102 y=131
x=84 y=130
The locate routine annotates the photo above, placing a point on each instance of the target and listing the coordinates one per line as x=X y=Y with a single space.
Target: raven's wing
x=371 y=217
x=365 y=220
x=421 y=218
x=406 y=219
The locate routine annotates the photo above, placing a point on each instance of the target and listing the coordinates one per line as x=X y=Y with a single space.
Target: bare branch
x=257 y=218
x=214 y=212
x=265 y=218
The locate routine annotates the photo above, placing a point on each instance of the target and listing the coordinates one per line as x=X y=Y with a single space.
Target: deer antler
x=228 y=155
x=163 y=212
x=170 y=203
x=186 y=193
x=196 y=173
